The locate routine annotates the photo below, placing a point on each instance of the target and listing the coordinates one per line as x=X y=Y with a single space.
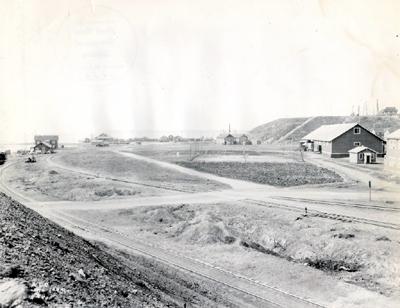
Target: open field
x=41 y=182
x=107 y=163
x=260 y=164
x=249 y=239
x=325 y=259
x=174 y=152
x=276 y=174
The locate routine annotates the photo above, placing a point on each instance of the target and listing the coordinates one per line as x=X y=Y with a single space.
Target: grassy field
x=175 y=152
x=276 y=174
x=108 y=163
x=229 y=234
x=41 y=182
x=264 y=164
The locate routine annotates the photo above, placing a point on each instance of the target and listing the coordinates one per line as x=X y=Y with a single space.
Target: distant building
x=389 y=111
x=338 y=139
x=52 y=140
x=164 y=139
x=244 y=139
x=392 y=158
x=362 y=155
x=43 y=147
x=102 y=139
x=178 y=139
x=230 y=139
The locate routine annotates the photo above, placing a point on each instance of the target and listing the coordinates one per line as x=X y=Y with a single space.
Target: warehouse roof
x=329 y=132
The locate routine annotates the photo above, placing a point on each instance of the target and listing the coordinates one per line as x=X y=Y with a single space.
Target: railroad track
x=280 y=297
x=316 y=213
x=341 y=203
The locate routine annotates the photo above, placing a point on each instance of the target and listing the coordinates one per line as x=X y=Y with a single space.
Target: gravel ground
x=363 y=255
x=276 y=174
x=43 y=182
x=52 y=266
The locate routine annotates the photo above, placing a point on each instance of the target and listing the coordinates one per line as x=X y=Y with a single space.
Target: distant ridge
x=286 y=130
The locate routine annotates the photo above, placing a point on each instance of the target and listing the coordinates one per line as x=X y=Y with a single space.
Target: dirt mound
x=204 y=229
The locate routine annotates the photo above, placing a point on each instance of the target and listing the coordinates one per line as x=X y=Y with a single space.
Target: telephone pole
x=377 y=106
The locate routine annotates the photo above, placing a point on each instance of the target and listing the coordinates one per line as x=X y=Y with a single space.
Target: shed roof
x=45 y=137
x=394 y=135
x=361 y=149
x=329 y=132
x=44 y=143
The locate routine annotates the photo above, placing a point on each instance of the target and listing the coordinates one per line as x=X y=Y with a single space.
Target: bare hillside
x=293 y=129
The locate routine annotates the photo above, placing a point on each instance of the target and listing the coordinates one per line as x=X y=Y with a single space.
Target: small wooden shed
x=362 y=155
x=43 y=147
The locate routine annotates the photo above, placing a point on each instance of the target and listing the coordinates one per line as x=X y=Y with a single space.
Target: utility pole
x=370 y=187
x=377 y=106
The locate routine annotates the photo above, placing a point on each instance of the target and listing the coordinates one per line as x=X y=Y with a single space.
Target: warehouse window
x=357 y=130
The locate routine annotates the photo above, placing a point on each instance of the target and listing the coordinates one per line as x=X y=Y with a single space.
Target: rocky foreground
x=42 y=264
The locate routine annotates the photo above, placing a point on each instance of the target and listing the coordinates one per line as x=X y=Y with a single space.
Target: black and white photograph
x=213 y=153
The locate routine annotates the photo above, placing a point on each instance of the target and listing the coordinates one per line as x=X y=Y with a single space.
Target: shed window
x=357 y=130
x=361 y=156
x=357 y=144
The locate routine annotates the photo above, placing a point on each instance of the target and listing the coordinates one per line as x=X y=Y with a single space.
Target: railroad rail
x=340 y=203
x=316 y=213
x=281 y=298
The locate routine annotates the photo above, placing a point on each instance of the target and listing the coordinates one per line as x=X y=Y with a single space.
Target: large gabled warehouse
x=338 y=139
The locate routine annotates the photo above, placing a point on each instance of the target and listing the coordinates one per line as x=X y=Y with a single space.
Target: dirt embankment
x=360 y=254
x=42 y=264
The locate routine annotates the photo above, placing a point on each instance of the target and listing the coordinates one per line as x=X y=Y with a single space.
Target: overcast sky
x=126 y=67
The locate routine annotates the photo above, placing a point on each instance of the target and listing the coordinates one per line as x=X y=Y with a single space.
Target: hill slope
x=293 y=129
